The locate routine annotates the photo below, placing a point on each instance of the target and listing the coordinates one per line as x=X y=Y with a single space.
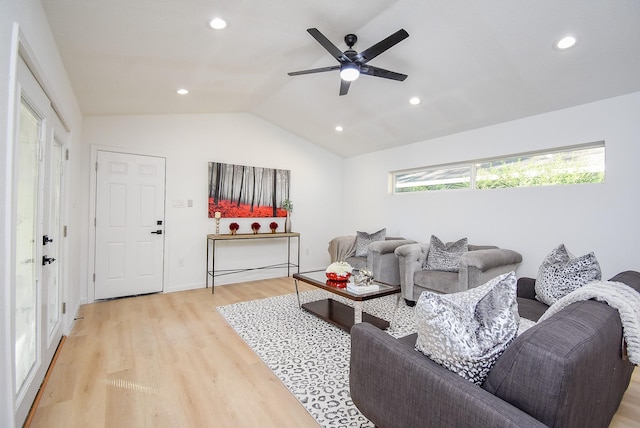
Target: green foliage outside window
x=576 y=167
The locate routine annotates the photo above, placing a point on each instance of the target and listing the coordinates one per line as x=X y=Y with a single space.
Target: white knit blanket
x=617 y=295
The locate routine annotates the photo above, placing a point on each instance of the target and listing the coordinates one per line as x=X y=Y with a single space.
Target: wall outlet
x=180 y=262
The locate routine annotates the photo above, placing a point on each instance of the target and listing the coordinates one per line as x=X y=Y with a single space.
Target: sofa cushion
x=445 y=257
x=531 y=309
x=467 y=332
x=443 y=282
x=363 y=239
x=561 y=273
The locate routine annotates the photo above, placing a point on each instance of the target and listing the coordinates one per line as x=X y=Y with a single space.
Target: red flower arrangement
x=273 y=226
x=233 y=227
x=255 y=226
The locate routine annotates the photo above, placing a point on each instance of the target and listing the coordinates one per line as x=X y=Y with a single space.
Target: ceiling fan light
x=566 y=43
x=218 y=23
x=349 y=72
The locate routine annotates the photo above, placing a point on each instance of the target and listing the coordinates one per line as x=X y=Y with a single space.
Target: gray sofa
x=567 y=371
x=477 y=266
x=380 y=259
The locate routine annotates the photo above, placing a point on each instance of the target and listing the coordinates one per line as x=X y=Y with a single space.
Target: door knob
x=46 y=239
x=47 y=260
x=159 y=232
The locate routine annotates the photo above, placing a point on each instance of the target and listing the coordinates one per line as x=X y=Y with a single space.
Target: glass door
x=37 y=245
x=52 y=240
x=26 y=293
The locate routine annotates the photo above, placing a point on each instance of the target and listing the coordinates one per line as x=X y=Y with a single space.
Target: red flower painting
x=239 y=191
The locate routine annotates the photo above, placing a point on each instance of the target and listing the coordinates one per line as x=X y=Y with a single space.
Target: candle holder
x=217 y=215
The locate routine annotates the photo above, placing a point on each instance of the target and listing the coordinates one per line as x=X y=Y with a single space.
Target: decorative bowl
x=337 y=284
x=332 y=276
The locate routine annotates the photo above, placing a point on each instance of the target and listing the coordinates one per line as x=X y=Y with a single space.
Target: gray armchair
x=477 y=266
x=380 y=259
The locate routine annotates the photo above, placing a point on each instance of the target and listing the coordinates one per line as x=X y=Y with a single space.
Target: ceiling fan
x=352 y=63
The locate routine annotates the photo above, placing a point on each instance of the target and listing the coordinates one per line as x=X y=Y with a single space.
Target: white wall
x=189 y=142
x=29 y=17
x=601 y=217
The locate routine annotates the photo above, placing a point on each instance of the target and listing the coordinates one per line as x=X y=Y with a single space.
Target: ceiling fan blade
x=344 y=87
x=375 y=50
x=370 y=70
x=314 y=70
x=330 y=47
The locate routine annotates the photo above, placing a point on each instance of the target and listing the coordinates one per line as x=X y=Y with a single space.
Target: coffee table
x=337 y=313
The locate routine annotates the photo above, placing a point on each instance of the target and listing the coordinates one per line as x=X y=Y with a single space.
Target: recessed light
x=182 y=91
x=566 y=43
x=415 y=101
x=339 y=128
x=217 y=23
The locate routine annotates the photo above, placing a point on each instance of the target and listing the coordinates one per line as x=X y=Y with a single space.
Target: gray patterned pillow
x=363 y=239
x=445 y=257
x=561 y=273
x=467 y=332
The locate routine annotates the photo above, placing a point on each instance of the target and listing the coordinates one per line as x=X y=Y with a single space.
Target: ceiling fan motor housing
x=350 y=40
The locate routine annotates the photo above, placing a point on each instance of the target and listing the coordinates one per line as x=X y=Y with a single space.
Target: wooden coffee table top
x=319 y=279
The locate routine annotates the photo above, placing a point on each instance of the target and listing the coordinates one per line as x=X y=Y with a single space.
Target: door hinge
x=94 y=277
x=94 y=222
x=64 y=308
x=66 y=154
x=96 y=166
x=64 y=231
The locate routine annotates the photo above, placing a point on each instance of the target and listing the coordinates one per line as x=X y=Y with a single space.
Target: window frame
x=472 y=165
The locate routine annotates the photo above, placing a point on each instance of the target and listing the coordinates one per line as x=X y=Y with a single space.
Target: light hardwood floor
x=170 y=360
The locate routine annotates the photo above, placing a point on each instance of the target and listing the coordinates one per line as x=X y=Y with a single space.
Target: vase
x=287 y=223
x=255 y=231
x=233 y=231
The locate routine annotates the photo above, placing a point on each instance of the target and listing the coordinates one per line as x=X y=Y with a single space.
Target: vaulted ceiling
x=472 y=63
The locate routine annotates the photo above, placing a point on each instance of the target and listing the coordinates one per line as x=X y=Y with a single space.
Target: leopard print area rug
x=309 y=355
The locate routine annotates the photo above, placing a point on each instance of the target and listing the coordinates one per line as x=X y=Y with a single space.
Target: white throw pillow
x=561 y=273
x=467 y=332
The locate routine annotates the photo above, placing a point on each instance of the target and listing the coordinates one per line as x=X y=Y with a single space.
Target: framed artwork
x=247 y=191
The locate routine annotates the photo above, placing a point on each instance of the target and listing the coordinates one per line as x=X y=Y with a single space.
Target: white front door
x=129 y=258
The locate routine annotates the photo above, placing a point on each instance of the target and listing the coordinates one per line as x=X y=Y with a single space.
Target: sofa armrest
x=382 y=261
x=388 y=246
x=394 y=385
x=527 y=288
x=491 y=258
x=479 y=266
x=411 y=258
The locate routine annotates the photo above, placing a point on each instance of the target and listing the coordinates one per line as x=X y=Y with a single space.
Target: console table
x=212 y=239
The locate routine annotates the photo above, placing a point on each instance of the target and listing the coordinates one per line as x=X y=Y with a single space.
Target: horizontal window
x=570 y=165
